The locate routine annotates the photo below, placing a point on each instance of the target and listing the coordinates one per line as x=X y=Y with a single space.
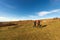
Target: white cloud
x=4 y=19
x=43 y=13
x=57 y=10
x=35 y=17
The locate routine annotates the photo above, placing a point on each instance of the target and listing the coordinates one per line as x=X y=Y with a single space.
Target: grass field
x=24 y=30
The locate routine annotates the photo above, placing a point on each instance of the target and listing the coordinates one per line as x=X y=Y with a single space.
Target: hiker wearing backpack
x=37 y=23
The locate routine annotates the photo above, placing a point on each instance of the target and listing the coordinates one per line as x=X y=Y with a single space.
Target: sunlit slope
x=25 y=31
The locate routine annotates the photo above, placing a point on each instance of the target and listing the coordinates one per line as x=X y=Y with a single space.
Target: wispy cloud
x=43 y=13
x=32 y=16
x=6 y=5
x=7 y=19
x=4 y=19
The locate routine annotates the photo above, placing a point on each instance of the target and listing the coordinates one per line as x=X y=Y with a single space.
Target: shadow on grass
x=44 y=26
x=40 y=26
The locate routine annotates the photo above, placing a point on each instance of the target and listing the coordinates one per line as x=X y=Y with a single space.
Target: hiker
x=37 y=23
x=34 y=23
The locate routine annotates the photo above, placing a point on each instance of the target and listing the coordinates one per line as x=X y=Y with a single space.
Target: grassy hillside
x=24 y=30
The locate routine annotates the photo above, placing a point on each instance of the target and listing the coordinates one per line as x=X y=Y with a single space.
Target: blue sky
x=11 y=10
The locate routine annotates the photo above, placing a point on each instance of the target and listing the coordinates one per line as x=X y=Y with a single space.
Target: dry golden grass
x=24 y=30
